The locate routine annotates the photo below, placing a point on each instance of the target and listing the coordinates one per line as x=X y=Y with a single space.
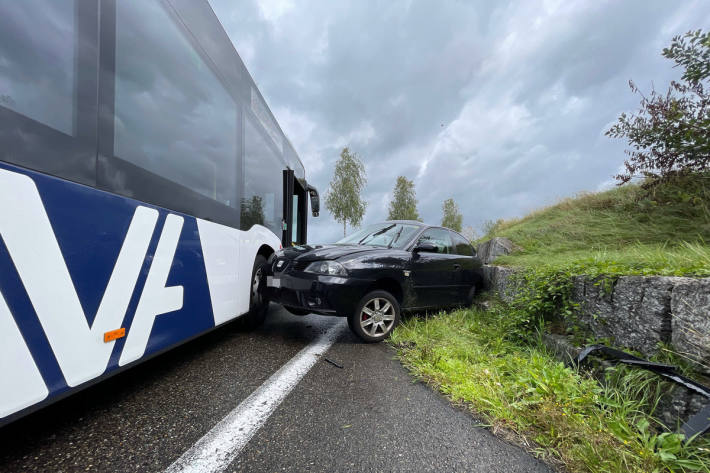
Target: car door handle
x=457 y=267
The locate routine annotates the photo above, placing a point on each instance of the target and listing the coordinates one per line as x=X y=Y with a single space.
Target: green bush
x=669 y=134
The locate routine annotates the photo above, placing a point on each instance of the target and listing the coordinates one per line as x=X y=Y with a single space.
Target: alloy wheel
x=377 y=317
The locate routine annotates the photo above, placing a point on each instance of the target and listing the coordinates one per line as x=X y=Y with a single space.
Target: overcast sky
x=500 y=105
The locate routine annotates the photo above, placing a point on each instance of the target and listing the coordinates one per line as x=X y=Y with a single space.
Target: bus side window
x=263 y=187
x=173 y=116
x=48 y=85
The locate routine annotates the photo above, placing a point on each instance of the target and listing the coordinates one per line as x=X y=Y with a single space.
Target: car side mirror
x=426 y=248
x=315 y=200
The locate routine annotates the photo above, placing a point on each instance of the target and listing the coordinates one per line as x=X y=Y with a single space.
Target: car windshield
x=389 y=235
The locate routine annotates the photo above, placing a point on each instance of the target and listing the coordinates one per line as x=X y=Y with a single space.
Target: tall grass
x=562 y=415
x=493 y=362
x=662 y=230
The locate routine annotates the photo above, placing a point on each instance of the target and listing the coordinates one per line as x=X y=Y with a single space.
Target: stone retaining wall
x=637 y=312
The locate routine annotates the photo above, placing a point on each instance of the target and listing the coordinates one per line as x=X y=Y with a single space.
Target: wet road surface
x=368 y=415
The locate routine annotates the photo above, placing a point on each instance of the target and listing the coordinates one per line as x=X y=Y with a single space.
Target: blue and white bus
x=143 y=181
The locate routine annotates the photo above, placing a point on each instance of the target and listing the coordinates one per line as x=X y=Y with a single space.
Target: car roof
x=408 y=222
x=422 y=225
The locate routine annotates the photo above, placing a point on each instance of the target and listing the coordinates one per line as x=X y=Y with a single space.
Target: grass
x=626 y=230
x=562 y=415
x=495 y=362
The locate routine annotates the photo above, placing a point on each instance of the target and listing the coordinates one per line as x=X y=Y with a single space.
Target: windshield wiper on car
x=394 y=240
x=378 y=232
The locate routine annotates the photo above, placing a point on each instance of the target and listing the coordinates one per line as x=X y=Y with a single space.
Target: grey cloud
x=505 y=102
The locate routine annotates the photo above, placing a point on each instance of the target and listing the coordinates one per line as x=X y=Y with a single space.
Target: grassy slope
x=624 y=230
x=493 y=362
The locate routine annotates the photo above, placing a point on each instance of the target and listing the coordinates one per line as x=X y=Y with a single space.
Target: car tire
x=375 y=316
x=258 y=303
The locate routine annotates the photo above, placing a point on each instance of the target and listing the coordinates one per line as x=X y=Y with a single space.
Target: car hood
x=321 y=252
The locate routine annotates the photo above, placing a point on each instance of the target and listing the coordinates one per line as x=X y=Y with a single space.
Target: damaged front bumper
x=316 y=293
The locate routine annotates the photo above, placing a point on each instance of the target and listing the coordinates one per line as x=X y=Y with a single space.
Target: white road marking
x=221 y=445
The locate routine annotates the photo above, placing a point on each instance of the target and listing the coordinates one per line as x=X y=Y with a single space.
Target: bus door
x=297 y=194
x=295 y=208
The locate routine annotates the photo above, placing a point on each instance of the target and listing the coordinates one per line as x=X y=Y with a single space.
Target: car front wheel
x=375 y=316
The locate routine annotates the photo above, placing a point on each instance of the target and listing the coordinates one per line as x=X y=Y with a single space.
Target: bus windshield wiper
x=399 y=232
x=378 y=232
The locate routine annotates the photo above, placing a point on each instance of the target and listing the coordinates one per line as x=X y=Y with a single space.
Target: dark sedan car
x=375 y=273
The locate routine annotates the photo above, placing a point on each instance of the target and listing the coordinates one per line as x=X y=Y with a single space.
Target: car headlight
x=331 y=268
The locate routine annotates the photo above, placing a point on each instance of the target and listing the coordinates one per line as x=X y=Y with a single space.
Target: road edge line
x=218 y=448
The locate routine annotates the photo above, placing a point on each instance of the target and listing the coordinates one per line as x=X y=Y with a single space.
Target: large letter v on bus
x=33 y=247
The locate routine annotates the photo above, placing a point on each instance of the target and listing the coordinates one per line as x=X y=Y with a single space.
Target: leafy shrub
x=671 y=131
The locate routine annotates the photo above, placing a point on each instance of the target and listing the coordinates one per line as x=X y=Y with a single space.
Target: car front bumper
x=317 y=293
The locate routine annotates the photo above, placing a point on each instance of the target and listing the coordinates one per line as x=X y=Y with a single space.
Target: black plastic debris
x=698 y=424
x=333 y=363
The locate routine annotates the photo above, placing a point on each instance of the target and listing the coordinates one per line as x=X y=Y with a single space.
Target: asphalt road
x=368 y=415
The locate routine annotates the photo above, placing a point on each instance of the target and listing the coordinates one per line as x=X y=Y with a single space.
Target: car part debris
x=333 y=363
x=697 y=424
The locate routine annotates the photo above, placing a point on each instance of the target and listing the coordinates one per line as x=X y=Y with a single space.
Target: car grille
x=277 y=269
x=301 y=265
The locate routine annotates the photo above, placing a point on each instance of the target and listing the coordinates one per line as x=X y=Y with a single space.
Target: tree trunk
x=343 y=228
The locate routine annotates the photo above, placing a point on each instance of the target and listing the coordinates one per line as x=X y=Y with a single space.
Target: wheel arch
x=390 y=285
x=265 y=250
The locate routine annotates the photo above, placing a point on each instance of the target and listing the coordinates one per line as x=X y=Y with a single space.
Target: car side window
x=461 y=245
x=438 y=237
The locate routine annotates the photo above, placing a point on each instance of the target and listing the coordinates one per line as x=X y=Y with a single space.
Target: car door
x=464 y=274
x=433 y=273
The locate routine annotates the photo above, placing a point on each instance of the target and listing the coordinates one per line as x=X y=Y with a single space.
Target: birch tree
x=343 y=198
x=404 y=201
x=452 y=217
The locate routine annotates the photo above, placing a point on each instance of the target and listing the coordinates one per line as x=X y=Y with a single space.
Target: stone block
x=690 y=321
x=499 y=280
x=489 y=250
x=633 y=311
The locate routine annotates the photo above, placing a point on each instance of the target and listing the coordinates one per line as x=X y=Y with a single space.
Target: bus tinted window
x=48 y=86
x=293 y=161
x=37 y=70
x=173 y=117
x=263 y=182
